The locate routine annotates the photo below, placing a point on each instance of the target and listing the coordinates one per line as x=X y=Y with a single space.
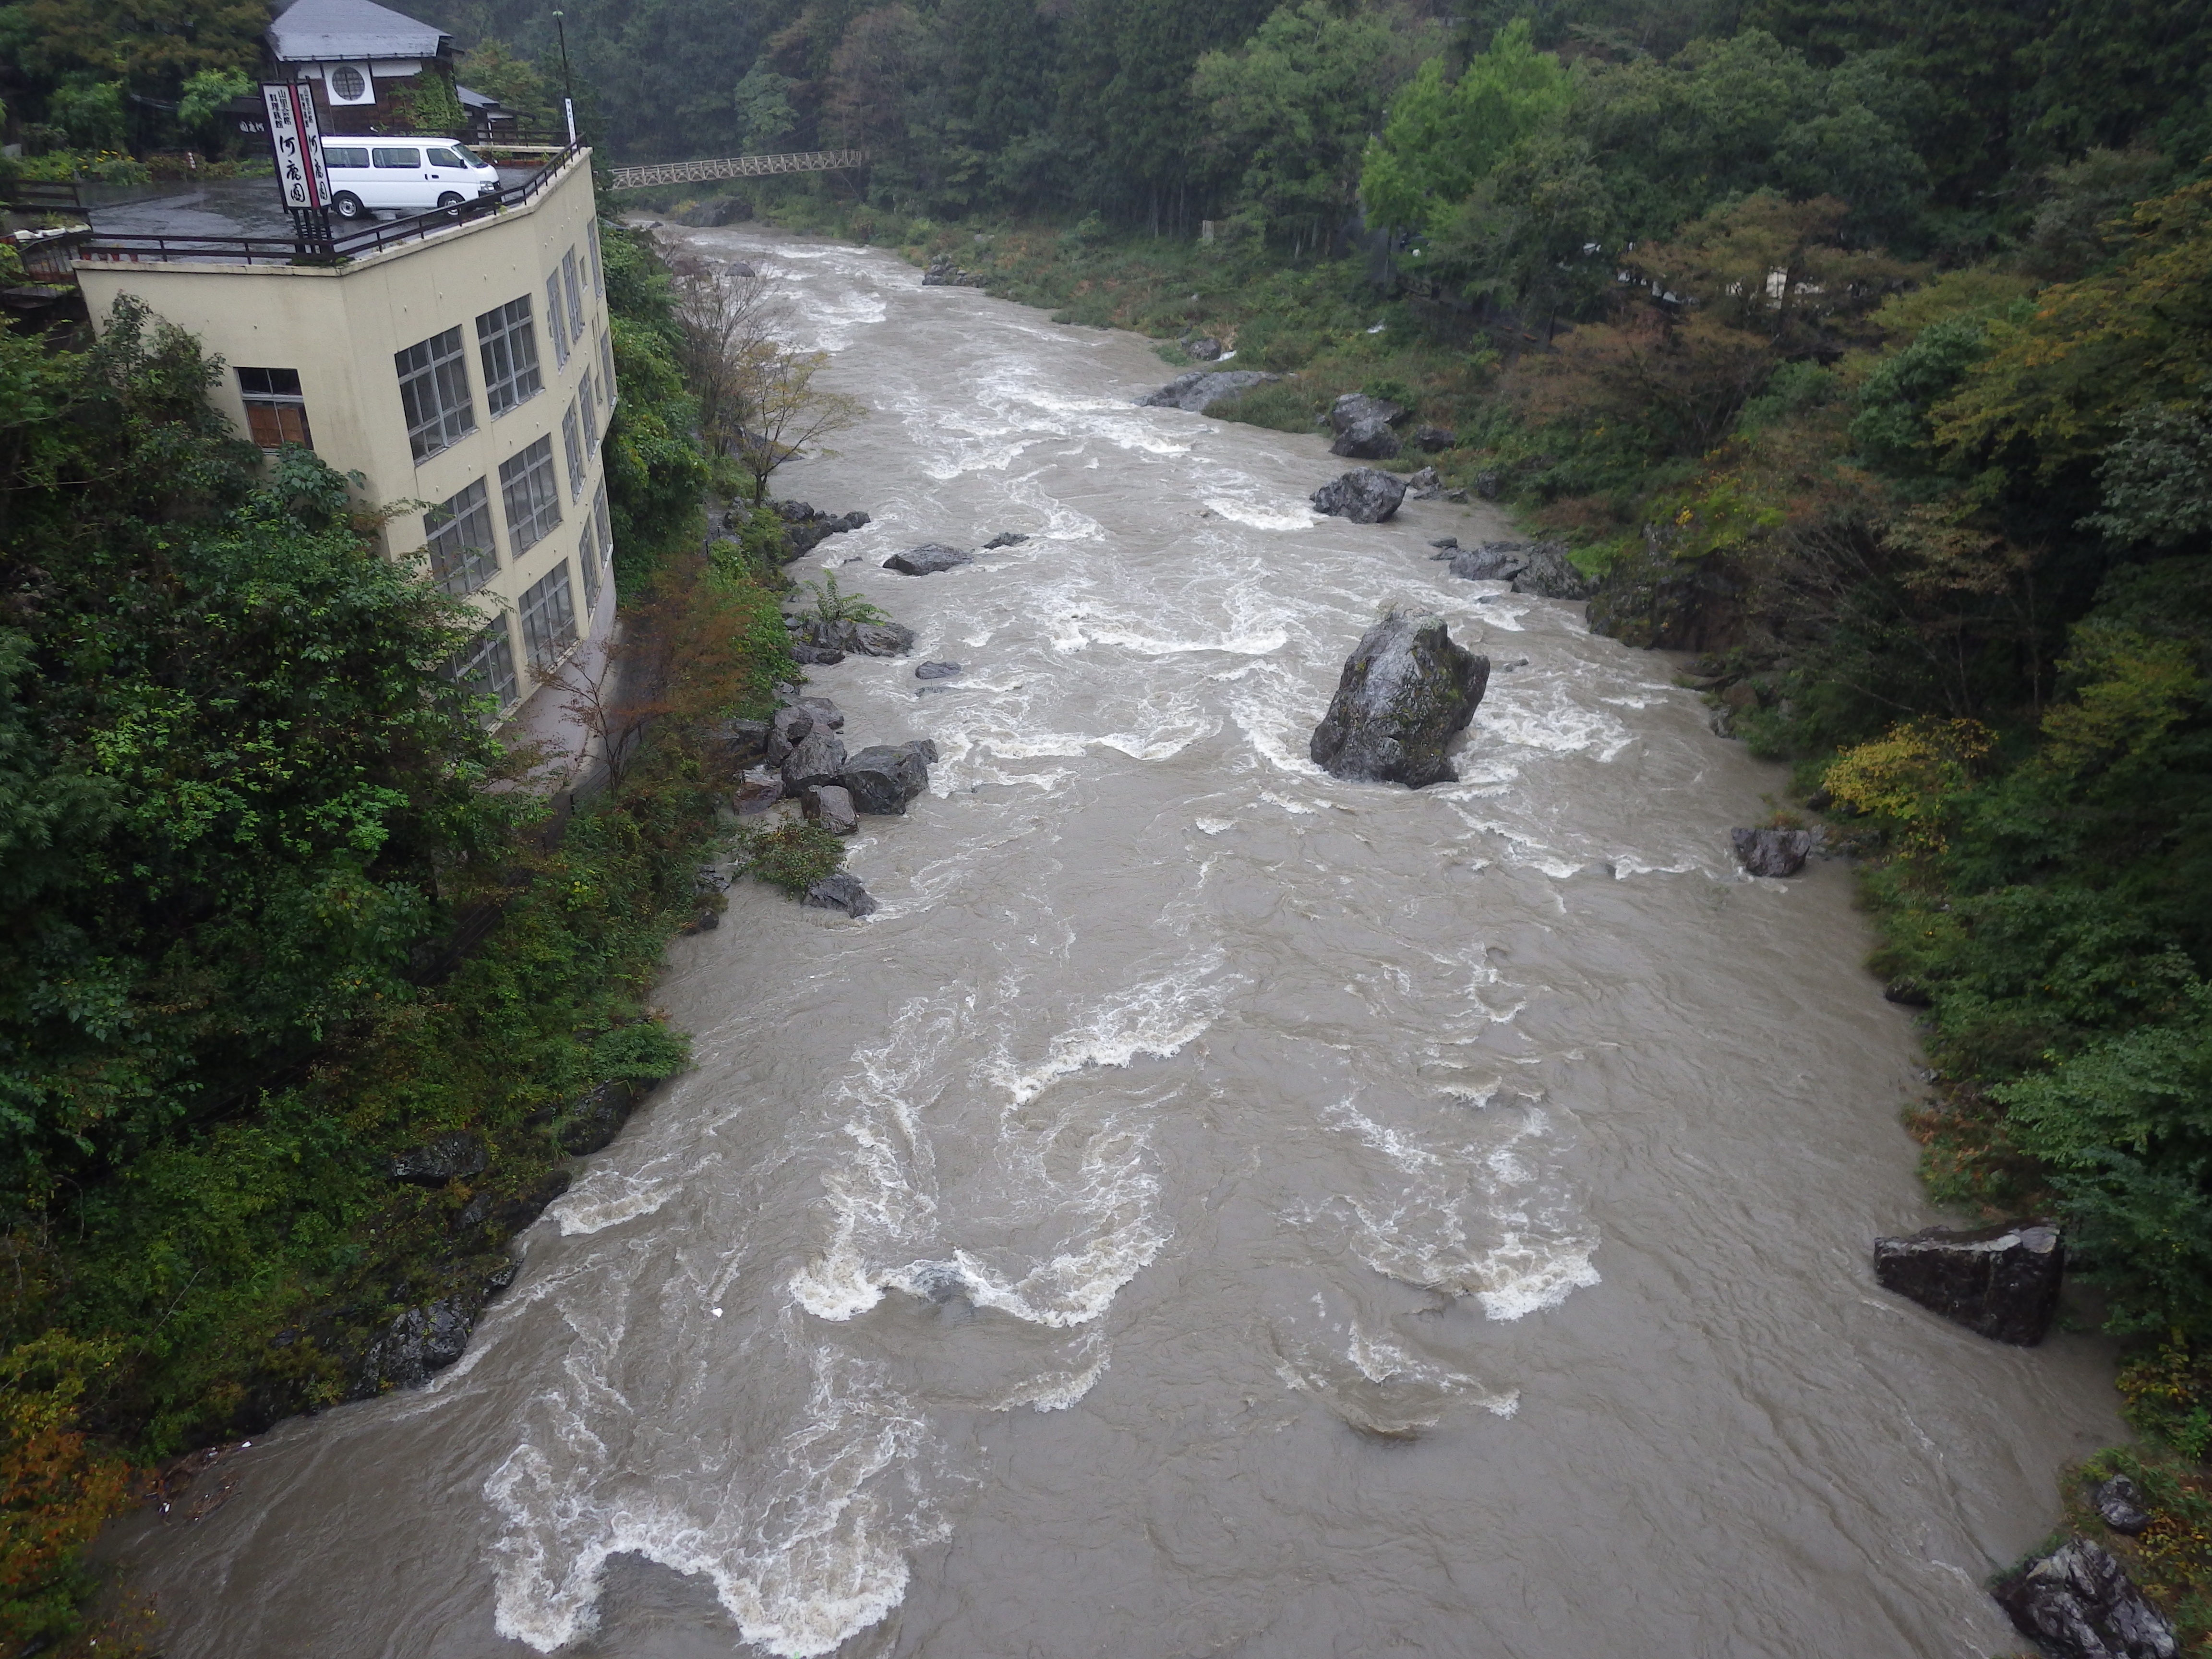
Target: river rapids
x=1210 y=1209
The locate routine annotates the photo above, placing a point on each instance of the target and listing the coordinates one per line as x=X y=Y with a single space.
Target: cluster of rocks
x=1199 y=390
x=943 y=273
x=800 y=756
x=2003 y=1282
x=1407 y=690
x=1542 y=568
x=431 y=1332
x=1201 y=347
x=818 y=641
x=721 y=210
x=806 y=526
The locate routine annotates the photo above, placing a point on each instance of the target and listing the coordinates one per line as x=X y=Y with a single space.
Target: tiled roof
x=327 y=31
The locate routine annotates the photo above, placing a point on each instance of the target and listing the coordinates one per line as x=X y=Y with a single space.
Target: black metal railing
x=372 y=238
x=44 y=195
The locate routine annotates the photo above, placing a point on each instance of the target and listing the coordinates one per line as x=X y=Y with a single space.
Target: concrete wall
x=341 y=330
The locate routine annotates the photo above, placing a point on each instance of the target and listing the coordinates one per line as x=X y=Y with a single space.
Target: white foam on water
x=1059 y=1391
x=802 y=1559
x=1265 y=515
x=1084 y=1216
x=1154 y=1019
x=606 y=1198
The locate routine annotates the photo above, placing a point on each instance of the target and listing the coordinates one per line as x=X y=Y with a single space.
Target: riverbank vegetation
x=279 y=908
x=1866 y=353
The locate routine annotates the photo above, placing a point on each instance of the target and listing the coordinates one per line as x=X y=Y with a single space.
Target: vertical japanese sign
x=297 y=144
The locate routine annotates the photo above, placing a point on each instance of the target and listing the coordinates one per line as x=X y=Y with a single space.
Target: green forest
x=1862 y=351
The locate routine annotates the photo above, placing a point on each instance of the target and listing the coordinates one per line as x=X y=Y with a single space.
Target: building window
x=606 y=532
x=587 y=559
x=276 y=413
x=572 y=441
x=549 y=618
x=589 y=405
x=607 y=369
x=533 y=501
x=348 y=82
x=575 y=294
x=485 y=665
x=462 y=557
x=508 y=346
x=433 y=386
x=553 y=321
x=592 y=247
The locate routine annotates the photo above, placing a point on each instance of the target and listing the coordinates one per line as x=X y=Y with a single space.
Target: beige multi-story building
x=464 y=369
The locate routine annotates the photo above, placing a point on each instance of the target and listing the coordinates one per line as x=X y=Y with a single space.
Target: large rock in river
x=882 y=779
x=927 y=560
x=816 y=759
x=1549 y=574
x=2077 y=1603
x=1199 y=390
x=1364 y=496
x=2000 y=1282
x=1771 y=851
x=1407 y=690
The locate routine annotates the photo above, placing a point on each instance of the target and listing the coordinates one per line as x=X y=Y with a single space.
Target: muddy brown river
x=1211 y=1209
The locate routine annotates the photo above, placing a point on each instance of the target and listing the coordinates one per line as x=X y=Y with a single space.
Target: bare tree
x=728 y=313
x=785 y=411
x=757 y=399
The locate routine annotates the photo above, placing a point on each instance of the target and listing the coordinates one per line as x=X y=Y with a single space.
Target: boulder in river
x=927 y=560
x=437 y=1161
x=883 y=779
x=2077 y=1602
x=1204 y=349
x=858 y=639
x=816 y=759
x=840 y=892
x=1434 y=437
x=1492 y=562
x=943 y=273
x=1406 y=691
x=1549 y=574
x=1005 y=538
x=2000 y=1282
x=1367 y=441
x=1364 y=495
x=2120 y=1501
x=1424 y=485
x=830 y=805
x=596 y=1118
x=1771 y=851
x=1201 y=389
x=937 y=670
x=420 y=1341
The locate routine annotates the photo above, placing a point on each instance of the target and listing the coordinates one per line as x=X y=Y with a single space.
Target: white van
x=407 y=175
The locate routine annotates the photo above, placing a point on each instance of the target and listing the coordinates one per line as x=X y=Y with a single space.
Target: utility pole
x=567 y=87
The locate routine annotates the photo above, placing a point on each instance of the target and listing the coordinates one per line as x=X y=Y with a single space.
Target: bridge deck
x=735 y=166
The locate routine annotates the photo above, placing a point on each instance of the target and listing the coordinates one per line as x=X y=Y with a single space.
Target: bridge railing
x=735 y=166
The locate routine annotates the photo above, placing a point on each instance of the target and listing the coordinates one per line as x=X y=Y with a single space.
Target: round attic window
x=347 y=82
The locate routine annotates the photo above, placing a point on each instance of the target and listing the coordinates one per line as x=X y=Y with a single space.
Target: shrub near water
x=793 y=855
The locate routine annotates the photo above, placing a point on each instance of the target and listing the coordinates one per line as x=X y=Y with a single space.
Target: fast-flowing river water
x=1211 y=1209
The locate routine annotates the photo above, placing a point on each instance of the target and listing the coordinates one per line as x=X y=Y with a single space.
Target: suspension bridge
x=736 y=167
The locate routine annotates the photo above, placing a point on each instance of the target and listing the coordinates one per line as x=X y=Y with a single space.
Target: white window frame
x=463 y=547
x=433 y=391
x=506 y=346
x=549 y=618
x=530 y=496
